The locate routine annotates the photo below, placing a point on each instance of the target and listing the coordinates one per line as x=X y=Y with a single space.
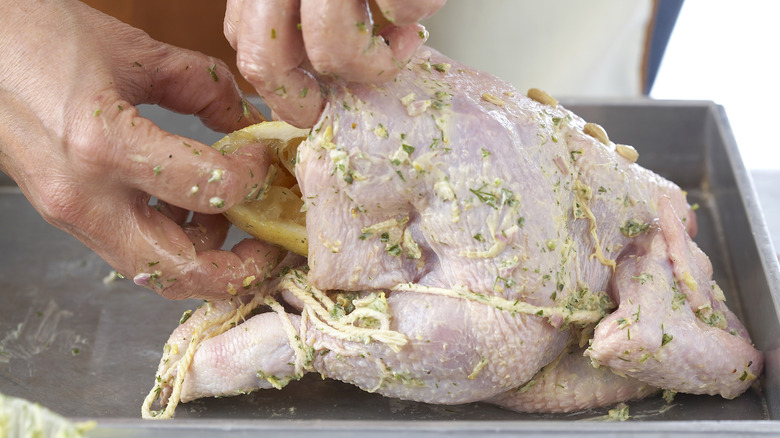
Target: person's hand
x=283 y=44
x=73 y=141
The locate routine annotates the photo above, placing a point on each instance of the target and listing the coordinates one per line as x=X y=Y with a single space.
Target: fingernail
x=142 y=279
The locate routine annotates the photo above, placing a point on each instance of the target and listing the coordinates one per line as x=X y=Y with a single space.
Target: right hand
x=284 y=45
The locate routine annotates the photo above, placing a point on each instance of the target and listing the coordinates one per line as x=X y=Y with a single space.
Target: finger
x=176 y=170
x=207 y=231
x=258 y=251
x=186 y=82
x=270 y=51
x=339 y=41
x=405 y=12
x=176 y=214
x=405 y=40
x=231 y=21
x=164 y=259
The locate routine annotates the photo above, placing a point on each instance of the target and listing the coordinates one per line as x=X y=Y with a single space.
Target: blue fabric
x=665 y=17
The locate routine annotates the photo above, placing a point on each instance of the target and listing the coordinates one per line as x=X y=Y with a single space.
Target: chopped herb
x=632 y=228
x=217 y=202
x=442 y=67
x=714 y=318
x=636 y=315
x=478 y=237
x=679 y=298
x=213 y=72
x=273 y=33
x=643 y=277
x=485 y=153
x=381 y=131
x=619 y=413
x=185 y=316
x=408 y=149
x=520 y=221
x=508 y=282
x=486 y=197
x=394 y=250
x=280 y=90
x=157 y=170
x=304 y=92
x=666 y=338
x=245 y=107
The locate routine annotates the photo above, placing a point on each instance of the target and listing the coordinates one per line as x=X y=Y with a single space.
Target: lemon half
x=276 y=216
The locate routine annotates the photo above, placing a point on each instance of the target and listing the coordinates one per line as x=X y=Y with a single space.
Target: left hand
x=72 y=139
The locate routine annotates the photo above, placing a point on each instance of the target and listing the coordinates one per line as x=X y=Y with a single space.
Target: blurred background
x=726 y=51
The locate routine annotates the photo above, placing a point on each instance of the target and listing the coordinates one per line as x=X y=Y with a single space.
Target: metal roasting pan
x=89 y=349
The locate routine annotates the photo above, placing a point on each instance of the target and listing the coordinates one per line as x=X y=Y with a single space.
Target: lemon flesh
x=276 y=215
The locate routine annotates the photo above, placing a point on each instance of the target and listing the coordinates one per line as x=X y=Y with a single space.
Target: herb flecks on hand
x=213 y=72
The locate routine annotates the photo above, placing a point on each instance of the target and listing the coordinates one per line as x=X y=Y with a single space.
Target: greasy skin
x=283 y=45
x=72 y=139
x=661 y=341
x=493 y=223
x=571 y=383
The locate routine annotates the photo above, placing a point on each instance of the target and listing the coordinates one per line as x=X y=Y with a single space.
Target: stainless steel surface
x=89 y=349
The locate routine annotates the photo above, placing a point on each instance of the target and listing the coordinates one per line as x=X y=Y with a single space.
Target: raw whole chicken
x=470 y=243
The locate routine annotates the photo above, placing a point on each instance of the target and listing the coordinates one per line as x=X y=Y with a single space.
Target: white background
x=728 y=51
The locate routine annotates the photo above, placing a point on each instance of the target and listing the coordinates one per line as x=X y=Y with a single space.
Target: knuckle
x=254 y=72
x=60 y=205
x=89 y=152
x=329 y=63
